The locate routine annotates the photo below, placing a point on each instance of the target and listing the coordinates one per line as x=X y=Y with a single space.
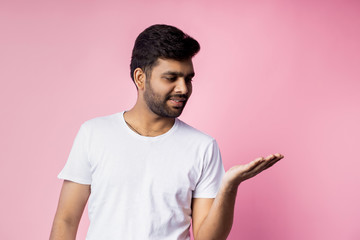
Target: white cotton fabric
x=141 y=187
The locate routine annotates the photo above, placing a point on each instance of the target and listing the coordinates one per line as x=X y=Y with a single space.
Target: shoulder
x=192 y=133
x=101 y=122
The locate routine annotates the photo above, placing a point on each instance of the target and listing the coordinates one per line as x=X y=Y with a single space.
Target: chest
x=167 y=172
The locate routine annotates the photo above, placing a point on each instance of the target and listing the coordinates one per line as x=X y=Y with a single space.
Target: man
x=146 y=173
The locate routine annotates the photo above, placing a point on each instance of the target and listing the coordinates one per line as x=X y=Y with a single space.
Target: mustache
x=185 y=96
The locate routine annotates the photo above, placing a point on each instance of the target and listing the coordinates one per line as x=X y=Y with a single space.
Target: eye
x=171 y=79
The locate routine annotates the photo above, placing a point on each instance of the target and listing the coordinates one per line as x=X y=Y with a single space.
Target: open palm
x=240 y=173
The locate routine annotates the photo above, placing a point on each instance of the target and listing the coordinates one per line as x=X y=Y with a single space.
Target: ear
x=139 y=78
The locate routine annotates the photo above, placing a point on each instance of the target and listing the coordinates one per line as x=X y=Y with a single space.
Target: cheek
x=161 y=87
x=157 y=89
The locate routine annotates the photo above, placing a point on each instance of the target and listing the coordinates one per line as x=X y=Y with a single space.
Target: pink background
x=272 y=76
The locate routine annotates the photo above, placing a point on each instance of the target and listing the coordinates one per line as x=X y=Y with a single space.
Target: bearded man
x=146 y=173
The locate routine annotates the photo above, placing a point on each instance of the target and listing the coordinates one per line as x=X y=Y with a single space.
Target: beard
x=158 y=104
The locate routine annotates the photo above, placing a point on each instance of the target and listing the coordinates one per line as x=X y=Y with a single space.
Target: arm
x=212 y=219
x=72 y=201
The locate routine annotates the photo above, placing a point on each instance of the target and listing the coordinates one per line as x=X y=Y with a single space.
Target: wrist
x=229 y=187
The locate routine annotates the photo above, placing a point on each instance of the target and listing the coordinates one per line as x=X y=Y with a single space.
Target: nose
x=181 y=86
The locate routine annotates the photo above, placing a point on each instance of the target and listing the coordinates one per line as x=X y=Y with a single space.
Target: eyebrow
x=180 y=74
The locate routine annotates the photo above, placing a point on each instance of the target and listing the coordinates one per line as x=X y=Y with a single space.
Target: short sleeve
x=212 y=173
x=77 y=168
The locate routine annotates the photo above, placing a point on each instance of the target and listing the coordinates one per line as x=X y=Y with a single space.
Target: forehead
x=170 y=65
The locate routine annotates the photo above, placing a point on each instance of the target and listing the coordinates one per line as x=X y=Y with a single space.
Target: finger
x=270 y=161
x=271 y=156
x=255 y=163
x=258 y=169
x=251 y=165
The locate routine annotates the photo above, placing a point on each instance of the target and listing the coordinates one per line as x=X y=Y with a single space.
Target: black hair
x=161 y=41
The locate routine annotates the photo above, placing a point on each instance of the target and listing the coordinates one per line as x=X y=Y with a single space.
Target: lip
x=177 y=102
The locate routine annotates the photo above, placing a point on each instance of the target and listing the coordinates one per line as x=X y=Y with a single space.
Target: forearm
x=63 y=230
x=218 y=223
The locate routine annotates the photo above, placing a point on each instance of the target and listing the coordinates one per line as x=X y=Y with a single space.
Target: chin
x=173 y=114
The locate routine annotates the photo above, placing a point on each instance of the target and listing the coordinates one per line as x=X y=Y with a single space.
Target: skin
x=169 y=79
x=161 y=98
x=72 y=201
x=214 y=219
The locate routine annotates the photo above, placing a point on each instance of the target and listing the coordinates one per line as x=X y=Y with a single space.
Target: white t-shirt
x=141 y=187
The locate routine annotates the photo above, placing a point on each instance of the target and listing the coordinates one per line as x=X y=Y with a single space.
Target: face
x=169 y=87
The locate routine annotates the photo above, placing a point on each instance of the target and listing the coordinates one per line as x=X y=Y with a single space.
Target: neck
x=146 y=123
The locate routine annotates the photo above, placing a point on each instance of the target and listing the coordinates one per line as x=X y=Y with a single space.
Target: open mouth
x=177 y=102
